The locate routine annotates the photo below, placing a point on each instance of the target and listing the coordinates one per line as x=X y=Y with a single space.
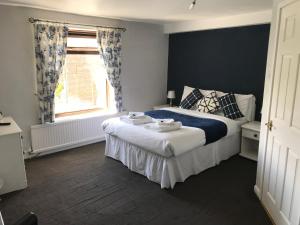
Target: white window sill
x=86 y=115
x=66 y=119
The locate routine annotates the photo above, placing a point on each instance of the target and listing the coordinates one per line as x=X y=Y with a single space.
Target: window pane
x=82 y=42
x=82 y=86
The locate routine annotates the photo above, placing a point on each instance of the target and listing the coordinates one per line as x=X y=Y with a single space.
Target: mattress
x=167 y=144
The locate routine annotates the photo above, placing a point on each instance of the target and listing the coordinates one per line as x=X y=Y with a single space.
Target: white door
x=281 y=185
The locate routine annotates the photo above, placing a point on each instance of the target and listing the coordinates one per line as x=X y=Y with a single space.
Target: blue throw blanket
x=214 y=129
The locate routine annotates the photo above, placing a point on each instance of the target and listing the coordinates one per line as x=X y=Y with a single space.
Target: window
x=83 y=86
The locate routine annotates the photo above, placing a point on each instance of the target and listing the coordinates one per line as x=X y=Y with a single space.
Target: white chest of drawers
x=12 y=167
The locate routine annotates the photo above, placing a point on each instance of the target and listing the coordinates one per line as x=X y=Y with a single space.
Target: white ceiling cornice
x=255 y=18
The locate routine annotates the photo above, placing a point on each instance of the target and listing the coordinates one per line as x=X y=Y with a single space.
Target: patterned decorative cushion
x=209 y=103
x=191 y=99
x=230 y=107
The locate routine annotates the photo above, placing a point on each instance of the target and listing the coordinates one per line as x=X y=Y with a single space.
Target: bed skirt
x=168 y=171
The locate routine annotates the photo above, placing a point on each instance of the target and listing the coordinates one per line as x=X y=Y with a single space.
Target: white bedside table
x=250 y=140
x=161 y=106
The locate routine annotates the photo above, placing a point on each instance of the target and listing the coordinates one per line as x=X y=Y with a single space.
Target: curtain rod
x=33 y=20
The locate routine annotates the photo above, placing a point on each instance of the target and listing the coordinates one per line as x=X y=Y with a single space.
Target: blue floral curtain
x=109 y=41
x=50 y=52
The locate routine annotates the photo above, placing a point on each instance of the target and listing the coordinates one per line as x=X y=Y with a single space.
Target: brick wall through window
x=82 y=85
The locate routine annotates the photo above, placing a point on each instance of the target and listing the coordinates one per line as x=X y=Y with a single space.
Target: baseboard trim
x=259 y=195
x=257 y=191
x=269 y=215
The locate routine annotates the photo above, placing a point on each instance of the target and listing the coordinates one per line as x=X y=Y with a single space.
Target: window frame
x=77 y=33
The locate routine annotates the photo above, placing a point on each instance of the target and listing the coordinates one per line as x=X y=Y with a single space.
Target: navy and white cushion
x=230 y=107
x=191 y=99
x=209 y=103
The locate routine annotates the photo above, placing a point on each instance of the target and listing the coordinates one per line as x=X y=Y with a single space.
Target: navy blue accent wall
x=229 y=60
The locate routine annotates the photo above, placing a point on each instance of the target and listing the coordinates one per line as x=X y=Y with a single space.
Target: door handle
x=269 y=125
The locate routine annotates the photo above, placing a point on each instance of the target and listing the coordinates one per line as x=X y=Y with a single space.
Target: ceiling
x=154 y=11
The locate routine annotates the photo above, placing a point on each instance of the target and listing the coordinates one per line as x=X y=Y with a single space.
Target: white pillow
x=186 y=91
x=246 y=105
x=206 y=92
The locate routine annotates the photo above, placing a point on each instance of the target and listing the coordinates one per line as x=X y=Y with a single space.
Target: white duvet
x=167 y=144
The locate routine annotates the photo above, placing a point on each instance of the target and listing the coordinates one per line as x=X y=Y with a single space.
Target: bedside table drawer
x=250 y=134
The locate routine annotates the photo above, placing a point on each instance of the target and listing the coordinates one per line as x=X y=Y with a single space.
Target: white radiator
x=67 y=134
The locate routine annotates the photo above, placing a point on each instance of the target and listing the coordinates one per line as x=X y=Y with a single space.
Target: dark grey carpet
x=82 y=187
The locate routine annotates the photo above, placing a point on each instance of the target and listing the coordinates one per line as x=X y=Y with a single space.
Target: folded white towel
x=164 y=122
x=163 y=128
x=136 y=115
x=136 y=121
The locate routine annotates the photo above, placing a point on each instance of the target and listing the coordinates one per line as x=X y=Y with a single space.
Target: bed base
x=168 y=171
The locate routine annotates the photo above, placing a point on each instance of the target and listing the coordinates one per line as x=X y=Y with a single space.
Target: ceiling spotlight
x=192 y=5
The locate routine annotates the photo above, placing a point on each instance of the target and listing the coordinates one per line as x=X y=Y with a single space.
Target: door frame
x=268 y=90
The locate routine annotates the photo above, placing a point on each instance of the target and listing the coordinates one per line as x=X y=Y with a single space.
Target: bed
x=168 y=158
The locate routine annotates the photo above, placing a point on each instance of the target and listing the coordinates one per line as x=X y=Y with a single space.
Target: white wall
x=144 y=69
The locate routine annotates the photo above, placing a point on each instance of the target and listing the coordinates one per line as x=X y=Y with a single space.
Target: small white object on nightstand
x=250 y=140
x=160 y=106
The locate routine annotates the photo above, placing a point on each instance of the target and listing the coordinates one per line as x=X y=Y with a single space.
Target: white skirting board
x=67 y=134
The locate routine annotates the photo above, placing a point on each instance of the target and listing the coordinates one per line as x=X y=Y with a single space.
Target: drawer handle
x=255 y=135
